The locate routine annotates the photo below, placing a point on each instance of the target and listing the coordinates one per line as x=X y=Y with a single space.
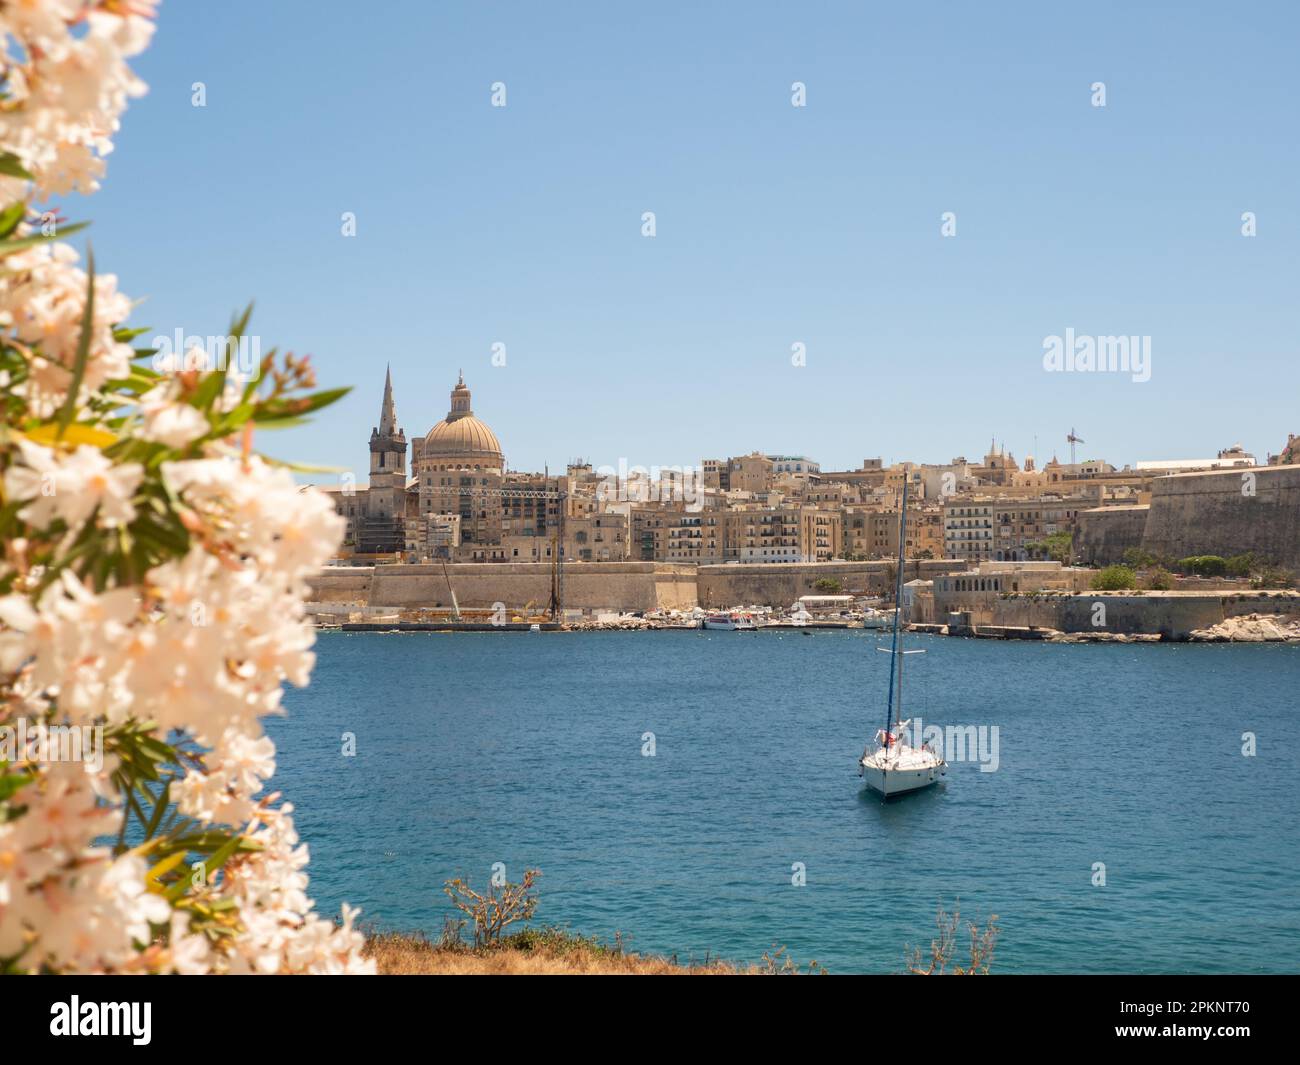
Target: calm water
x=526 y=749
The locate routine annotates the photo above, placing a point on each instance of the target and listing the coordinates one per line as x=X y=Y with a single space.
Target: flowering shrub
x=152 y=584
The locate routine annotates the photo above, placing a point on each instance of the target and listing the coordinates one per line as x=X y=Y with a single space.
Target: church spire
x=388 y=412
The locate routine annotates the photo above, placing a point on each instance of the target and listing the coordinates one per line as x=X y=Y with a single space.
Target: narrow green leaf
x=11 y=167
x=11 y=216
x=83 y=345
x=159 y=808
x=8 y=247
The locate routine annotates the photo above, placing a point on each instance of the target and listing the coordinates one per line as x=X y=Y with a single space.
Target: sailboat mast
x=895 y=650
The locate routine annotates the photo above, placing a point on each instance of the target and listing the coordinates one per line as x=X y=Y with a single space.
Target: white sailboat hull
x=899 y=781
x=898 y=772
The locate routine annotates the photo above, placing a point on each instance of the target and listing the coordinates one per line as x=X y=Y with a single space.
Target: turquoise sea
x=527 y=749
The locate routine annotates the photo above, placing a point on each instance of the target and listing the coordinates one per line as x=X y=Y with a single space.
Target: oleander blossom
x=152 y=584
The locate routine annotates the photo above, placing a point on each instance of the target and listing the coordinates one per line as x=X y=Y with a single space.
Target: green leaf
x=11 y=216
x=83 y=345
x=8 y=247
x=11 y=782
x=282 y=409
x=11 y=167
x=211 y=864
x=159 y=808
x=209 y=389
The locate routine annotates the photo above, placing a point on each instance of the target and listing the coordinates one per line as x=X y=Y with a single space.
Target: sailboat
x=895 y=767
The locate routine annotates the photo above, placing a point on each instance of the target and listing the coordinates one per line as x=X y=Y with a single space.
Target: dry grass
x=544 y=952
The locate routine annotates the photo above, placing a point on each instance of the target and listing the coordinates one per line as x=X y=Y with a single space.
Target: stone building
x=376 y=514
x=750 y=473
x=968 y=527
x=460 y=469
x=382 y=528
x=1020 y=525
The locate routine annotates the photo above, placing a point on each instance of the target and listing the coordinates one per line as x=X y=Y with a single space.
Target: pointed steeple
x=388 y=412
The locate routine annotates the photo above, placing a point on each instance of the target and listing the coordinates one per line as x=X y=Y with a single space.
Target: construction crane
x=1073 y=439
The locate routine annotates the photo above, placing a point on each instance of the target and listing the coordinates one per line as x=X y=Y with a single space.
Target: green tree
x=1058 y=547
x=1160 y=580
x=1114 y=579
x=1242 y=565
x=1204 y=565
x=1138 y=558
x=828 y=586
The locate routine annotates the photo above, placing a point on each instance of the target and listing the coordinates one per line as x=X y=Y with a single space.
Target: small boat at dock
x=733 y=621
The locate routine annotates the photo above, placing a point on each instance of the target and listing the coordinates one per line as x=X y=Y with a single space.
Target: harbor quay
x=594 y=587
x=950 y=597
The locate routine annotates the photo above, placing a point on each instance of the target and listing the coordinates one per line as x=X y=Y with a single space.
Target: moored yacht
x=896 y=767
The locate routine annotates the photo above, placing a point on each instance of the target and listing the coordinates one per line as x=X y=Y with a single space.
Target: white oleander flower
x=72 y=487
x=170 y=420
x=187 y=955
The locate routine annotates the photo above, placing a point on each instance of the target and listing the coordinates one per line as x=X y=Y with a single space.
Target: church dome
x=460 y=435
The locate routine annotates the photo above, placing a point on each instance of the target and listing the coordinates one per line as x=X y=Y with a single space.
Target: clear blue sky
x=775 y=225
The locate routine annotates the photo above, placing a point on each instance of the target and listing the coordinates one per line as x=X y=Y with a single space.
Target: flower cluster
x=66 y=83
x=152 y=583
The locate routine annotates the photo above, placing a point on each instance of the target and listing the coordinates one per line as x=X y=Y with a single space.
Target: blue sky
x=775 y=225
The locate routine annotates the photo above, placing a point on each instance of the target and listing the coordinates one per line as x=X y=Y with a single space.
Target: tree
x=1114 y=579
x=1160 y=580
x=828 y=585
x=1058 y=547
x=1242 y=565
x=1137 y=558
x=1204 y=565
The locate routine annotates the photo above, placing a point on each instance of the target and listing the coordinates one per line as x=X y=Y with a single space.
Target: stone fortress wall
x=1225 y=512
x=594 y=586
x=623 y=586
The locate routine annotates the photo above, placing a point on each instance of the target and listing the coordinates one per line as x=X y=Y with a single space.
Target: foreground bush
x=152 y=584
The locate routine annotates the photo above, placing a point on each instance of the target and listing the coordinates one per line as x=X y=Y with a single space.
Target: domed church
x=460 y=502
x=459 y=469
x=460 y=440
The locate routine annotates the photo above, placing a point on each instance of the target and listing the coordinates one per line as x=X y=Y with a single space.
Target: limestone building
x=459 y=470
x=382 y=529
x=376 y=514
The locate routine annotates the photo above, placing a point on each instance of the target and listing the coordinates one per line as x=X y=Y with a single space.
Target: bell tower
x=383 y=528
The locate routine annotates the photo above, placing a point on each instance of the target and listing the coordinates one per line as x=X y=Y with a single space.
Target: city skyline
x=1059 y=453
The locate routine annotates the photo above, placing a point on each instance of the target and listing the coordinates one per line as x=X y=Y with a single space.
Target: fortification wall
x=622 y=586
x=341 y=584
x=1105 y=533
x=781 y=583
x=1226 y=513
